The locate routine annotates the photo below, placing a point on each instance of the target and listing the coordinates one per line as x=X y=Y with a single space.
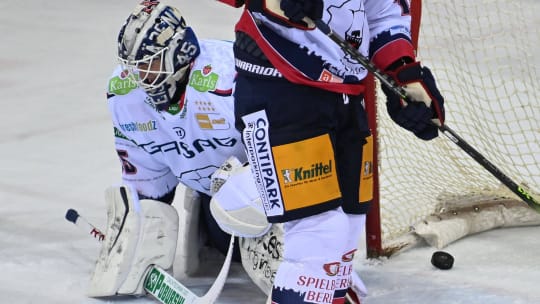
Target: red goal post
x=373 y=223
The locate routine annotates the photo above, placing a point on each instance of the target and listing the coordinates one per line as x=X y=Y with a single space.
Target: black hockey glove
x=426 y=107
x=296 y=10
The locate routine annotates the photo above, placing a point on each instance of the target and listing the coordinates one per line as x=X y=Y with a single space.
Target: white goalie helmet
x=156 y=46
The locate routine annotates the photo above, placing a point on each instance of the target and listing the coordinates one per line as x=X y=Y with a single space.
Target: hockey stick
x=160 y=284
x=519 y=190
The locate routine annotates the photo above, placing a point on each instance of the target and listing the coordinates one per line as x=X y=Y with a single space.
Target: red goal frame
x=373 y=222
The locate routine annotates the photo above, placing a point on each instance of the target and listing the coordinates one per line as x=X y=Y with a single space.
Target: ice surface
x=56 y=153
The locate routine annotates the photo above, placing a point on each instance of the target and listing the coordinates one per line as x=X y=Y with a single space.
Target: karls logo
x=136 y=126
x=123 y=83
x=205 y=80
x=260 y=157
x=315 y=172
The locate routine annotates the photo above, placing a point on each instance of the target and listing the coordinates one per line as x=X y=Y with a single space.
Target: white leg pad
x=261 y=257
x=139 y=234
x=187 y=257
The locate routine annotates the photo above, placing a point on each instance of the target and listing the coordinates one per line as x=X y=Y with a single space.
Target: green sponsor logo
x=156 y=285
x=204 y=80
x=174 y=109
x=123 y=84
x=119 y=134
x=153 y=281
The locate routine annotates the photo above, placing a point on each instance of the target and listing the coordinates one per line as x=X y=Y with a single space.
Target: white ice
x=56 y=152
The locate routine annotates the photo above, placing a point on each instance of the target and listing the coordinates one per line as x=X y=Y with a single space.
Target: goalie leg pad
x=261 y=257
x=188 y=250
x=139 y=234
x=237 y=207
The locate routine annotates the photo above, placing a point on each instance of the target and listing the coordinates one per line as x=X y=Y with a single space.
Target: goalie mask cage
x=484 y=55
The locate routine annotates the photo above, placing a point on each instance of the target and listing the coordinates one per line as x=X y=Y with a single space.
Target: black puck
x=442 y=260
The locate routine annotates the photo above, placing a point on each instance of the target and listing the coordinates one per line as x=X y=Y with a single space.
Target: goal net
x=484 y=55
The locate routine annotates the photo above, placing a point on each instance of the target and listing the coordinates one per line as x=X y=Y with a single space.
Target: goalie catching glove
x=425 y=111
x=236 y=205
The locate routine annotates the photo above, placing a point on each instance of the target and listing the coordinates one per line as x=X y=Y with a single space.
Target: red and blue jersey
x=380 y=29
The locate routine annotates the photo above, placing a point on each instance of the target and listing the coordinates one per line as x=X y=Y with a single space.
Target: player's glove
x=296 y=10
x=425 y=111
x=236 y=205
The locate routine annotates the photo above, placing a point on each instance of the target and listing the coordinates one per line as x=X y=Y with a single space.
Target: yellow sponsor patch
x=210 y=121
x=306 y=172
x=366 y=176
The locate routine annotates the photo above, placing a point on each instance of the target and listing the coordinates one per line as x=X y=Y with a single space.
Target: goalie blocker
x=139 y=234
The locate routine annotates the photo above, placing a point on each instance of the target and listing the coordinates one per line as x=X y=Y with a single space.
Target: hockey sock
x=311 y=268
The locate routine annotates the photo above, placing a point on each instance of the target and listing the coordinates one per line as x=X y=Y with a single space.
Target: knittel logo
x=368 y=168
x=317 y=171
x=204 y=80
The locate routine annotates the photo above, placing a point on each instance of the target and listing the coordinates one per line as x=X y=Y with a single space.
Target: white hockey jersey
x=185 y=144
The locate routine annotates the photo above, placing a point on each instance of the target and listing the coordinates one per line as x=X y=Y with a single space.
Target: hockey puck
x=72 y=215
x=442 y=260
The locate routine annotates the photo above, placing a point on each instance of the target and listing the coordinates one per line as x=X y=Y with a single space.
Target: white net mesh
x=484 y=55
